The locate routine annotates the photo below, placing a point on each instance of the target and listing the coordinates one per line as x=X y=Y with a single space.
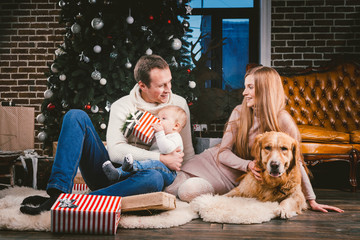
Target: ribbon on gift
x=130 y=123
x=67 y=203
x=30 y=153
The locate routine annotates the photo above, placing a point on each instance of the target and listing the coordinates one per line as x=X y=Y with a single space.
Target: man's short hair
x=145 y=64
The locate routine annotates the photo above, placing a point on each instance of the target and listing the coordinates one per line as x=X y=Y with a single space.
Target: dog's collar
x=279 y=189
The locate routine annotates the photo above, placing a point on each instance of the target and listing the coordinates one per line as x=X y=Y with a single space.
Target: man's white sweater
x=118 y=146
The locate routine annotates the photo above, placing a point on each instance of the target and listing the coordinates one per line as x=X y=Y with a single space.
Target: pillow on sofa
x=322 y=135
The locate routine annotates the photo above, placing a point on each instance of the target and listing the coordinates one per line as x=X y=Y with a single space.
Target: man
x=80 y=146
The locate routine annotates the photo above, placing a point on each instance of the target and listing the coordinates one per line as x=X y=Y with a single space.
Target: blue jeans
x=80 y=146
x=168 y=175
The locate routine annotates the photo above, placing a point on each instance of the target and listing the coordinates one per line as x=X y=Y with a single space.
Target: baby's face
x=167 y=120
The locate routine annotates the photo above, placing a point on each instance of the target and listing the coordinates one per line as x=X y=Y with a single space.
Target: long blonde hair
x=269 y=101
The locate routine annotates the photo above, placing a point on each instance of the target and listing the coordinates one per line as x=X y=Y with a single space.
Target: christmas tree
x=102 y=43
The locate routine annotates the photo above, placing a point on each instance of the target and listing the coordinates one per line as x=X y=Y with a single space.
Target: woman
x=217 y=169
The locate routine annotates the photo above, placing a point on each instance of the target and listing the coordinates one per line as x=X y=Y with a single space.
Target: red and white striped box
x=80 y=187
x=143 y=130
x=91 y=214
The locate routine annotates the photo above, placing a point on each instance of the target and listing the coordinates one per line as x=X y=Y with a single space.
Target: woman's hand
x=173 y=160
x=256 y=171
x=323 y=208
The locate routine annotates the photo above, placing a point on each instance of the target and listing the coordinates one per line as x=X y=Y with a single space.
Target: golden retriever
x=278 y=156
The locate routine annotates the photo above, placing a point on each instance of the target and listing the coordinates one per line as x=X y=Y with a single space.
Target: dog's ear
x=256 y=150
x=297 y=158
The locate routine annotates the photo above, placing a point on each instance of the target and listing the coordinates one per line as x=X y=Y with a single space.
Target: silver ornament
x=96 y=75
x=75 y=28
x=62 y=3
x=97 y=23
x=176 y=44
x=94 y=109
x=62 y=77
x=192 y=84
x=97 y=49
x=48 y=93
x=42 y=136
x=103 y=81
x=53 y=68
x=40 y=118
x=148 y=51
x=130 y=20
x=103 y=126
x=92 y=1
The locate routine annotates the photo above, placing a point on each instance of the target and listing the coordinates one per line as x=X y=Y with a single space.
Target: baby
x=168 y=139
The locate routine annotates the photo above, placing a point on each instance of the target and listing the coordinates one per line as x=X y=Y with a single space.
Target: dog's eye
x=268 y=148
x=284 y=148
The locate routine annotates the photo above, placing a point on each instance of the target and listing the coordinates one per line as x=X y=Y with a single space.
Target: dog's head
x=276 y=153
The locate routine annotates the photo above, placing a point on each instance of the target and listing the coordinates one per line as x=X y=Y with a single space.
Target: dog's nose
x=274 y=164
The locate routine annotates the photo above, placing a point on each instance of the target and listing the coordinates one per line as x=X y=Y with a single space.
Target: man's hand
x=256 y=171
x=157 y=127
x=173 y=160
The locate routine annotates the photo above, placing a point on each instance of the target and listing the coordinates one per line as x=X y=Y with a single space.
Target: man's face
x=160 y=86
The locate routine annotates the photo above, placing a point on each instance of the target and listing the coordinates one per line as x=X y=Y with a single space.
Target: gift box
x=91 y=214
x=139 y=124
x=80 y=187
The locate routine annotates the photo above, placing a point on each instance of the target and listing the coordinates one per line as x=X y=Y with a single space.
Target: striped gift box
x=143 y=129
x=91 y=214
x=80 y=187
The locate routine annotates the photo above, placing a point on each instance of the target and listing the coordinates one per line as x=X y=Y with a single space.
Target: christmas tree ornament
x=42 y=136
x=50 y=106
x=75 y=28
x=130 y=19
x=92 y=1
x=174 y=62
x=114 y=53
x=79 y=15
x=83 y=57
x=62 y=77
x=59 y=52
x=97 y=23
x=48 y=93
x=62 y=3
x=97 y=49
x=188 y=71
x=54 y=68
x=148 y=51
x=64 y=104
x=192 y=84
x=151 y=17
x=96 y=75
x=176 y=44
x=87 y=107
x=94 y=109
x=188 y=9
x=128 y=64
x=185 y=24
x=103 y=81
x=40 y=118
x=103 y=126
x=108 y=106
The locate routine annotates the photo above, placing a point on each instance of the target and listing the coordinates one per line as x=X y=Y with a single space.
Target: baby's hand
x=157 y=127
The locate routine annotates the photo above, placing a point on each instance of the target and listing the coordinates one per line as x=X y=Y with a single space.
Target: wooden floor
x=309 y=225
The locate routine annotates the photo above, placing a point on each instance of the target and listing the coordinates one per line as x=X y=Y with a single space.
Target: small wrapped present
x=139 y=124
x=80 y=187
x=91 y=214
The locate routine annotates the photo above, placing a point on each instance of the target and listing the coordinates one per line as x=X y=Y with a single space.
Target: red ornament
x=151 y=17
x=50 y=106
x=109 y=36
x=169 y=21
x=188 y=71
x=190 y=103
x=87 y=107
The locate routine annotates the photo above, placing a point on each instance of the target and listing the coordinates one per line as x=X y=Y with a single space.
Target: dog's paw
x=285 y=213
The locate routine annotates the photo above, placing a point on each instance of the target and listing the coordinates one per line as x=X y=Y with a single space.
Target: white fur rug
x=210 y=208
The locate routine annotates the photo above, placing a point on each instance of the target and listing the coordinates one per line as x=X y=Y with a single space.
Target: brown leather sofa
x=325 y=103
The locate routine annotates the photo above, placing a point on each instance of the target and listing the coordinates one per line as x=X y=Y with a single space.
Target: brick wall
x=309 y=33
x=304 y=33
x=29 y=35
